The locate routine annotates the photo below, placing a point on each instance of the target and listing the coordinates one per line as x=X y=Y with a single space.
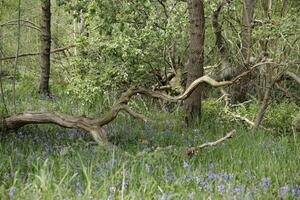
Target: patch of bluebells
x=222 y=183
x=295 y=190
x=289 y=190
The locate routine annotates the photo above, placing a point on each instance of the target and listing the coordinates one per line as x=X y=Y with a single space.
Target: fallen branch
x=293 y=76
x=94 y=126
x=21 y=119
x=192 y=150
x=36 y=54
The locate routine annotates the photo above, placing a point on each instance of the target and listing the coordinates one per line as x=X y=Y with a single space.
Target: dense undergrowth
x=48 y=162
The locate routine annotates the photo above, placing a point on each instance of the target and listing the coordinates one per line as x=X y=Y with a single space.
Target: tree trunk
x=45 y=47
x=247 y=17
x=239 y=92
x=192 y=105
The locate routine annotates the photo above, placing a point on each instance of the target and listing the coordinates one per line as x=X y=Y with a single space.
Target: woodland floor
x=47 y=162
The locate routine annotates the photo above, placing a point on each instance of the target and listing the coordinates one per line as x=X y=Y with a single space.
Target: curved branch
x=94 y=126
x=121 y=104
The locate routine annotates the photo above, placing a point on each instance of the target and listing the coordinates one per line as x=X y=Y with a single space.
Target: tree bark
x=247 y=17
x=45 y=47
x=239 y=92
x=192 y=105
x=227 y=71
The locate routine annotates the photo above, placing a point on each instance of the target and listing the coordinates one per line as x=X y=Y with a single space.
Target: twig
x=36 y=54
x=251 y=123
x=192 y=150
x=241 y=104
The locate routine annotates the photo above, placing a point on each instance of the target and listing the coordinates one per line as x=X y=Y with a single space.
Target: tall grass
x=46 y=162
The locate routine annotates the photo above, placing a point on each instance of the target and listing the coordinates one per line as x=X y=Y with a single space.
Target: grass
x=46 y=162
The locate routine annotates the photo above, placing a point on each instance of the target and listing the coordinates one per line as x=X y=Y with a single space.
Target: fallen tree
x=95 y=126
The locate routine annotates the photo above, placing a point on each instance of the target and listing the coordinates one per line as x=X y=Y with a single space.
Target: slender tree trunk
x=247 y=17
x=194 y=67
x=45 y=47
x=239 y=92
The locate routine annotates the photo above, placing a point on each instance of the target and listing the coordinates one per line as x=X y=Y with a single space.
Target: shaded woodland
x=161 y=78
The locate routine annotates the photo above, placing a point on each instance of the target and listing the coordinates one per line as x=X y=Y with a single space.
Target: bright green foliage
x=126 y=43
x=278 y=116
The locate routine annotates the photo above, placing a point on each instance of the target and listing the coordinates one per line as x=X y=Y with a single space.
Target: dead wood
x=94 y=126
x=192 y=150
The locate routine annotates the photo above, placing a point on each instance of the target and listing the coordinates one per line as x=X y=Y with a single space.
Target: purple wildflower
x=239 y=190
x=11 y=192
x=283 y=191
x=221 y=188
x=78 y=192
x=265 y=183
x=226 y=176
x=185 y=165
x=296 y=190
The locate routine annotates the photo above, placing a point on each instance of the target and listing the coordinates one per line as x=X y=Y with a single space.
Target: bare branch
x=193 y=150
x=293 y=76
x=36 y=54
x=251 y=123
x=135 y=114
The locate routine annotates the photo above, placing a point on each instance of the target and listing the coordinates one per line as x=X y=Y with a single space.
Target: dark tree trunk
x=194 y=67
x=45 y=47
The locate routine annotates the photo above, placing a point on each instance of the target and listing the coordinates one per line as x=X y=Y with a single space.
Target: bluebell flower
x=283 y=190
x=185 y=165
x=296 y=190
x=221 y=188
x=11 y=192
x=265 y=183
x=110 y=197
x=226 y=176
